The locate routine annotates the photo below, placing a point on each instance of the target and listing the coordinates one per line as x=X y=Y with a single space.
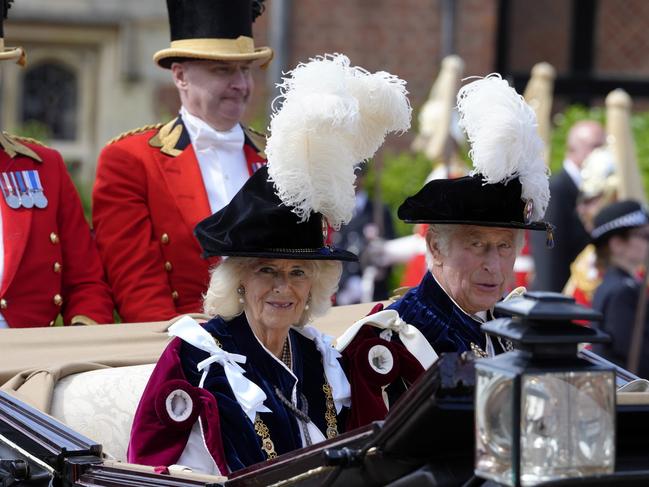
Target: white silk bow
x=340 y=389
x=208 y=138
x=248 y=394
x=414 y=341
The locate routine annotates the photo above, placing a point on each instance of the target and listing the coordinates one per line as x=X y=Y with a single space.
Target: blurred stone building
x=90 y=75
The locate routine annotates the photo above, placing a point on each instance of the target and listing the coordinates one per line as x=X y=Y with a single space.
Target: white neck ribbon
x=248 y=394
x=414 y=341
x=340 y=389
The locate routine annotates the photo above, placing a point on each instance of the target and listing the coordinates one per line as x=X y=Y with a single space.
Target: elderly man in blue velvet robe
x=477 y=222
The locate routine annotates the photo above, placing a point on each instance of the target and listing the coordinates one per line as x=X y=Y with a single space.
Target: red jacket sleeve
x=131 y=256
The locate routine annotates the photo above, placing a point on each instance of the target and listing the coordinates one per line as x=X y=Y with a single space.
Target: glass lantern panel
x=494 y=426
x=567 y=425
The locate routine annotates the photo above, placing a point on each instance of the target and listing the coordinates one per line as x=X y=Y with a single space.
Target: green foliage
x=35 y=130
x=403 y=175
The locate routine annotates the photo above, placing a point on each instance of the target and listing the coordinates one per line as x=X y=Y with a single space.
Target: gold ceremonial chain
x=260 y=428
x=266 y=443
x=286 y=355
x=218 y=343
x=330 y=415
x=294 y=251
x=507 y=346
x=478 y=352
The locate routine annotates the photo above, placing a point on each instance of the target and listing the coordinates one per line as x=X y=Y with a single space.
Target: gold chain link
x=478 y=352
x=266 y=443
x=330 y=415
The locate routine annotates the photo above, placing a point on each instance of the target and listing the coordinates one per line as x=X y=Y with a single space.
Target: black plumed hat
x=218 y=30
x=257 y=224
x=332 y=117
x=470 y=201
x=509 y=185
x=618 y=217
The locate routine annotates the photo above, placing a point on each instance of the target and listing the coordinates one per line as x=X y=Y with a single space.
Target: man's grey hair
x=442 y=234
x=222 y=298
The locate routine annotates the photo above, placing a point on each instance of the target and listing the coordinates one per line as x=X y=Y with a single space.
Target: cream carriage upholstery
x=100 y=404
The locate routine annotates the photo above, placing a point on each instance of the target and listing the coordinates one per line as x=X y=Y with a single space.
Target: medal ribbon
x=21 y=183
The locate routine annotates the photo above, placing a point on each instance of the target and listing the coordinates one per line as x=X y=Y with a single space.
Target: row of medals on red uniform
x=23 y=189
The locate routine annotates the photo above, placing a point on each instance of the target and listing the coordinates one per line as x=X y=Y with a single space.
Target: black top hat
x=257 y=224
x=470 y=201
x=218 y=30
x=618 y=217
x=9 y=53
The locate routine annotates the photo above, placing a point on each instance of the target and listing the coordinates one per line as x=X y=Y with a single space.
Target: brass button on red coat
x=58 y=300
x=54 y=238
x=174 y=295
x=164 y=238
x=52 y=323
x=3 y=303
x=168 y=266
x=57 y=267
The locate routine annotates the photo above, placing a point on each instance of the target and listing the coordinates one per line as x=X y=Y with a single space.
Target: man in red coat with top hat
x=49 y=264
x=155 y=184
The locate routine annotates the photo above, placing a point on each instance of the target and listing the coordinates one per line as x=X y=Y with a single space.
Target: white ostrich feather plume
x=502 y=130
x=333 y=117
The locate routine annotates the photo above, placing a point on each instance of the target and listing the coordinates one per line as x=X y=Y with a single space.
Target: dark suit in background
x=552 y=265
x=352 y=237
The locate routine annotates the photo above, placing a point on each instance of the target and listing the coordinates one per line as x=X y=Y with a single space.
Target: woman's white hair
x=222 y=298
x=443 y=234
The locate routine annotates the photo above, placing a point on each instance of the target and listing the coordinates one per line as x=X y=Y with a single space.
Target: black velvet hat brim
x=469 y=201
x=257 y=224
x=523 y=226
x=298 y=254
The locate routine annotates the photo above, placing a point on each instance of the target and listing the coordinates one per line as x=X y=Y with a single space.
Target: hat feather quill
x=502 y=130
x=333 y=116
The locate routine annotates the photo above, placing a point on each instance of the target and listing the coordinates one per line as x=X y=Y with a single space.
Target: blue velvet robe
x=241 y=443
x=441 y=321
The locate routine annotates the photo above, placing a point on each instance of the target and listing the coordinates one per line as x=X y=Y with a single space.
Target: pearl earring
x=308 y=302
x=241 y=291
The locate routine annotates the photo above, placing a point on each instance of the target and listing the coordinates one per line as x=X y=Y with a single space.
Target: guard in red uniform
x=155 y=184
x=49 y=264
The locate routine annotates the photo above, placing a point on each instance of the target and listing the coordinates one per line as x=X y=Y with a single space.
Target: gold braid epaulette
x=138 y=130
x=258 y=139
x=256 y=132
x=27 y=139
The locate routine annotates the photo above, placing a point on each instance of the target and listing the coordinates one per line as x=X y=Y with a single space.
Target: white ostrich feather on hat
x=502 y=130
x=333 y=117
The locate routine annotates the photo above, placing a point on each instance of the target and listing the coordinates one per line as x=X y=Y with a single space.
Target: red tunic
x=51 y=264
x=148 y=196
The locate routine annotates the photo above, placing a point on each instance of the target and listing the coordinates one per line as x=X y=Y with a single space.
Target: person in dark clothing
x=621 y=237
x=552 y=266
x=355 y=237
